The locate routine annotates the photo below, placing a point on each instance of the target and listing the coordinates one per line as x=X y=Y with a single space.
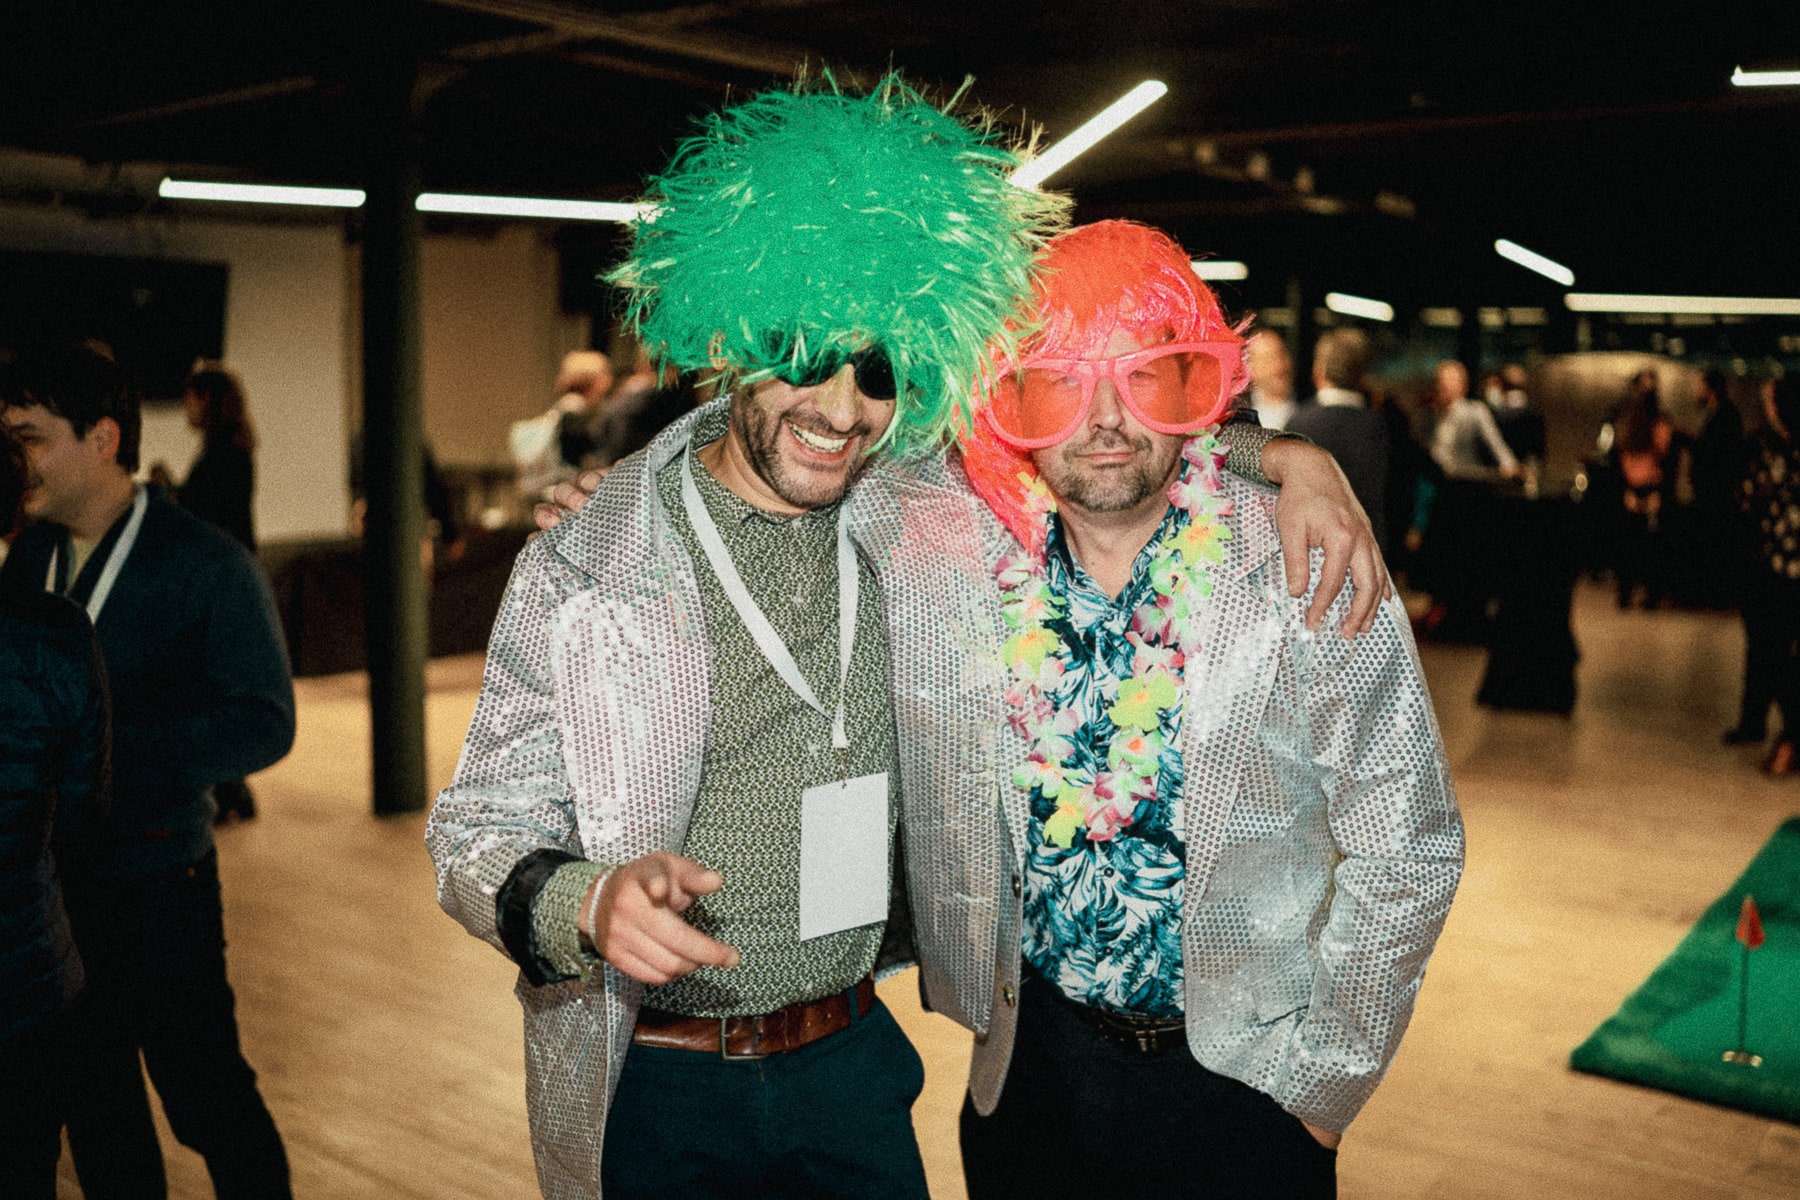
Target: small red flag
x=1750 y=930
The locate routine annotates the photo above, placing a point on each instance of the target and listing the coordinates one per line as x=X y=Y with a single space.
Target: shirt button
x=1109 y=872
x=1018 y=888
x=1007 y=994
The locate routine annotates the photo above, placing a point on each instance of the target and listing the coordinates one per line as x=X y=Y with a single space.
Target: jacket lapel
x=632 y=662
x=933 y=523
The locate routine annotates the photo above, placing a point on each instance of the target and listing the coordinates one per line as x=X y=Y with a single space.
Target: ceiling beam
x=541 y=41
x=643 y=70
x=736 y=51
x=243 y=95
x=689 y=15
x=537 y=42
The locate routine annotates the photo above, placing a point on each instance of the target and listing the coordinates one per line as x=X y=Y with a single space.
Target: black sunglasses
x=874 y=373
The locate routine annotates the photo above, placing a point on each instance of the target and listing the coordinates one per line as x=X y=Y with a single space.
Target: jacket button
x=1008 y=995
x=1018 y=888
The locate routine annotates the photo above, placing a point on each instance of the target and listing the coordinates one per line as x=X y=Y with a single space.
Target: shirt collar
x=1067 y=577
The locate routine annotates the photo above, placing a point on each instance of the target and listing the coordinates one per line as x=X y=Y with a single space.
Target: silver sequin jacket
x=1323 y=838
x=1301 y=968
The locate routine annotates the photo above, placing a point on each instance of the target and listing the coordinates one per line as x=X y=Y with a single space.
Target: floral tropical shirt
x=1103 y=917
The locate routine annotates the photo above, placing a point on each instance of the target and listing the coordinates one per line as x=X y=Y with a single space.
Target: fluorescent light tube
x=443 y=202
x=1531 y=260
x=261 y=193
x=525 y=206
x=1359 y=306
x=1751 y=306
x=1060 y=155
x=1212 y=268
x=1743 y=78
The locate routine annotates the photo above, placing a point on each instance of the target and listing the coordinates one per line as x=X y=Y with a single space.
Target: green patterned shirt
x=765 y=746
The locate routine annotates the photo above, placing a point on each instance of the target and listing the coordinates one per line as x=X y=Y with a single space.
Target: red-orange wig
x=1093 y=280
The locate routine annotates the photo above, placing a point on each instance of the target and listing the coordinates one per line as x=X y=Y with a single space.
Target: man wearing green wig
x=676 y=807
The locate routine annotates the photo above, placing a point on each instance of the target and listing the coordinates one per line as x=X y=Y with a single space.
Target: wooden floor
x=388 y=1040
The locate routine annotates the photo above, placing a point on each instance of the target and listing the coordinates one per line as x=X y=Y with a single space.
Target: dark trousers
x=831 y=1119
x=1771 y=612
x=1083 y=1117
x=154 y=948
x=35 y=1071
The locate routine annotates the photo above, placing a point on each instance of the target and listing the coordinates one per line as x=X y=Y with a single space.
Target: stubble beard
x=1106 y=489
x=761 y=434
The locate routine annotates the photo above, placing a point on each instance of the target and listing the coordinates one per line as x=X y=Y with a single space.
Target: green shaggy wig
x=804 y=224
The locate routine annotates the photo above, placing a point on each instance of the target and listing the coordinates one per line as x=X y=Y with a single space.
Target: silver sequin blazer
x=1323 y=839
x=591 y=726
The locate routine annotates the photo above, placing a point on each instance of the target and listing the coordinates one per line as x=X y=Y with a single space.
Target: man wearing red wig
x=1227 y=843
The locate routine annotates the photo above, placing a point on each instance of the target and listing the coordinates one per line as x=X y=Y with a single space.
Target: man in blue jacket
x=200 y=693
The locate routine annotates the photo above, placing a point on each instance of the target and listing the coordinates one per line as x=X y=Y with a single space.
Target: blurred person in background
x=1464 y=429
x=1717 y=534
x=1645 y=442
x=642 y=405
x=1520 y=424
x=548 y=449
x=443 y=529
x=221 y=484
x=1718 y=449
x=200 y=693
x=1453 y=510
x=1412 y=481
x=53 y=752
x=610 y=423
x=1271 y=370
x=1338 y=418
x=1771 y=499
x=221 y=488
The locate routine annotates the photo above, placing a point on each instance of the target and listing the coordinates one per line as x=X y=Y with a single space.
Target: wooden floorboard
x=388 y=1040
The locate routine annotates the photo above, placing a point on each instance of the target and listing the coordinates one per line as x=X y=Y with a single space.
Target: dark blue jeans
x=154 y=948
x=832 y=1119
x=1081 y=1117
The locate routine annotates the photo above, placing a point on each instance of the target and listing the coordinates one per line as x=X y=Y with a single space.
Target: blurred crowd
x=1700 y=517
x=596 y=420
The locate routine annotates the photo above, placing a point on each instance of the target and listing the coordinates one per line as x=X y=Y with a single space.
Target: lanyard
x=115 y=561
x=761 y=632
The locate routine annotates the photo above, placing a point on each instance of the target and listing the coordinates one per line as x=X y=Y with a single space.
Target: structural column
x=393 y=442
x=1301 y=334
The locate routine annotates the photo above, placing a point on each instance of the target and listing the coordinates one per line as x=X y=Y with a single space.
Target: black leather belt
x=1131 y=1031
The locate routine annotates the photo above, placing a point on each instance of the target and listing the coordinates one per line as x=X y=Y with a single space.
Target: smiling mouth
x=823 y=445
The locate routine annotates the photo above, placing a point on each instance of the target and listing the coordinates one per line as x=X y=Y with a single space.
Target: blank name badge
x=843 y=855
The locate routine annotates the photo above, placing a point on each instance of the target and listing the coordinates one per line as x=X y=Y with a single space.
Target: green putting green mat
x=1672 y=1031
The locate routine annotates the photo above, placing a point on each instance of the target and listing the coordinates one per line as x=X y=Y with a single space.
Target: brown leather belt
x=786 y=1029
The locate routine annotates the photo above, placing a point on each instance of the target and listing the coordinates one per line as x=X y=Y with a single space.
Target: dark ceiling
x=1361 y=146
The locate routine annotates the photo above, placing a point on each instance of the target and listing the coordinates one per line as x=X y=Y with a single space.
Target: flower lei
x=1105 y=801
